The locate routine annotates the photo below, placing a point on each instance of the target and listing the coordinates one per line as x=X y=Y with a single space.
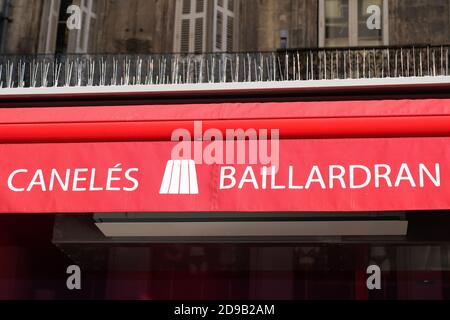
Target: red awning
x=337 y=119
x=332 y=156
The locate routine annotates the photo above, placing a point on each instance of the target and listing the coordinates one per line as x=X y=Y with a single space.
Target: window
x=49 y=27
x=55 y=37
x=62 y=33
x=199 y=20
x=223 y=25
x=87 y=19
x=344 y=23
x=190 y=26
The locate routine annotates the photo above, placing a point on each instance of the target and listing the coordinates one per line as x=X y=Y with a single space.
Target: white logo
x=180 y=177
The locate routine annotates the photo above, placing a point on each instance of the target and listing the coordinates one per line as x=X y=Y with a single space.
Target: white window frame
x=353 y=23
x=225 y=14
x=191 y=16
x=49 y=25
x=87 y=11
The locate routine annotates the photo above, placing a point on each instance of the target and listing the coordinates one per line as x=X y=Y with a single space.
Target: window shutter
x=219 y=29
x=190 y=26
x=224 y=25
x=185 y=31
x=199 y=6
x=186 y=6
x=230 y=33
x=198 y=35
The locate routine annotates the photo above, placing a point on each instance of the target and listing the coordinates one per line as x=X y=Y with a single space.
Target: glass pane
x=336 y=23
x=373 y=35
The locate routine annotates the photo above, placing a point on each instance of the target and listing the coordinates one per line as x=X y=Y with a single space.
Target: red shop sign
x=308 y=175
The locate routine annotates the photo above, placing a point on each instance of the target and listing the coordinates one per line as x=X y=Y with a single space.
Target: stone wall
x=134 y=26
x=23 y=30
x=263 y=22
x=419 y=22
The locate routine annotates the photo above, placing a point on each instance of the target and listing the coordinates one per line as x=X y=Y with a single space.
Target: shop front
x=234 y=193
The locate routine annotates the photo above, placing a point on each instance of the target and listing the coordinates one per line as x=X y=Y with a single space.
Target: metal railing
x=21 y=71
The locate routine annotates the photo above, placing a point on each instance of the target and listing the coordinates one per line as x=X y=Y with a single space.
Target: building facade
x=134 y=26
